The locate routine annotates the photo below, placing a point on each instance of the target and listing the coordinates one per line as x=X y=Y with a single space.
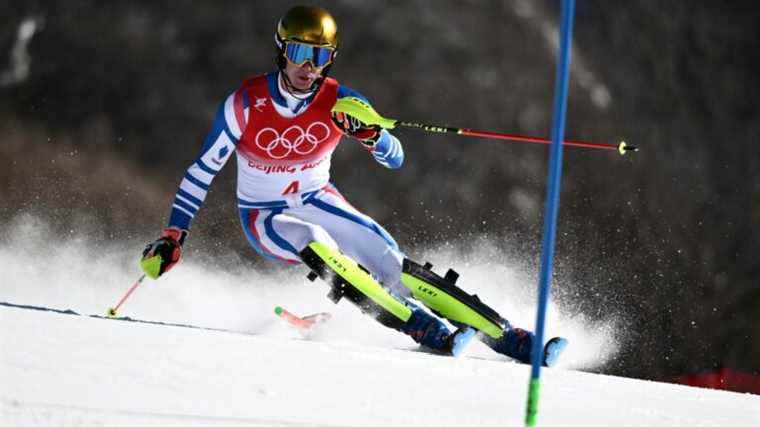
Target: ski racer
x=283 y=128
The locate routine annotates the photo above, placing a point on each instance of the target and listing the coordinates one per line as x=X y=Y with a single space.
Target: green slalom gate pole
x=552 y=207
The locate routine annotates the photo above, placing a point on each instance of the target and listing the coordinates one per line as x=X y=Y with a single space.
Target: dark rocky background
x=104 y=104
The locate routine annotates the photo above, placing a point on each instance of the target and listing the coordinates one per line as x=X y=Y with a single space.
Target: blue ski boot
x=517 y=343
x=430 y=332
x=553 y=349
x=459 y=340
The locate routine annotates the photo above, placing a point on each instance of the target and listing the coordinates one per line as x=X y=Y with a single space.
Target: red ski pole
x=621 y=147
x=112 y=311
x=356 y=107
x=304 y=324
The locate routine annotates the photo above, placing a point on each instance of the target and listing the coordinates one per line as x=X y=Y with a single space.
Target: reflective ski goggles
x=300 y=53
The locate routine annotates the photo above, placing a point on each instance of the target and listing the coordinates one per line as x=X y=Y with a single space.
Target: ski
x=304 y=324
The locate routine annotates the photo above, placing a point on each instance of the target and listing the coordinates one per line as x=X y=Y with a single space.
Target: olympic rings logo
x=293 y=140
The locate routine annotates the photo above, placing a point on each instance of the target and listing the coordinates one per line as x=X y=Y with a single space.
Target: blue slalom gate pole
x=552 y=206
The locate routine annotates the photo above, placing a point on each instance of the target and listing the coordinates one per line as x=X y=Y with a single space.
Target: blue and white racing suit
x=286 y=203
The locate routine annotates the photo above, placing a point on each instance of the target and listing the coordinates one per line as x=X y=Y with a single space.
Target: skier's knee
x=315 y=233
x=389 y=272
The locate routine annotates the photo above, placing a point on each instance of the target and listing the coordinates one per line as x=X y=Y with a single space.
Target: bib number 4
x=292 y=188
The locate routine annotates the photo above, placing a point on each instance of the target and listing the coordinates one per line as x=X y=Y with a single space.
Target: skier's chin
x=304 y=83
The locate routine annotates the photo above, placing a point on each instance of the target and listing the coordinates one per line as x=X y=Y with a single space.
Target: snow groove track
x=124 y=319
x=33 y=413
x=59 y=368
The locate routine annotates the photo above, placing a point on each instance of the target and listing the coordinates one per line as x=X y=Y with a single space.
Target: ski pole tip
x=278 y=310
x=111 y=312
x=624 y=148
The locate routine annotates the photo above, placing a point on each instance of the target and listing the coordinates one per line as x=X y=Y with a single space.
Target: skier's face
x=302 y=77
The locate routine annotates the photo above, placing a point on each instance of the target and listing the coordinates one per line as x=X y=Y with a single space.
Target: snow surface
x=62 y=370
x=65 y=370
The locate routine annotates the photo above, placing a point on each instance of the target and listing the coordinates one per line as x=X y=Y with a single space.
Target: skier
x=284 y=129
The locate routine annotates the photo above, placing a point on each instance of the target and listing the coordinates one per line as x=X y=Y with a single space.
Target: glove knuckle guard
x=168 y=247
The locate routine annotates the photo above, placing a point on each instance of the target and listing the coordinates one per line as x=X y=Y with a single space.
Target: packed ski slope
x=60 y=370
x=65 y=370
